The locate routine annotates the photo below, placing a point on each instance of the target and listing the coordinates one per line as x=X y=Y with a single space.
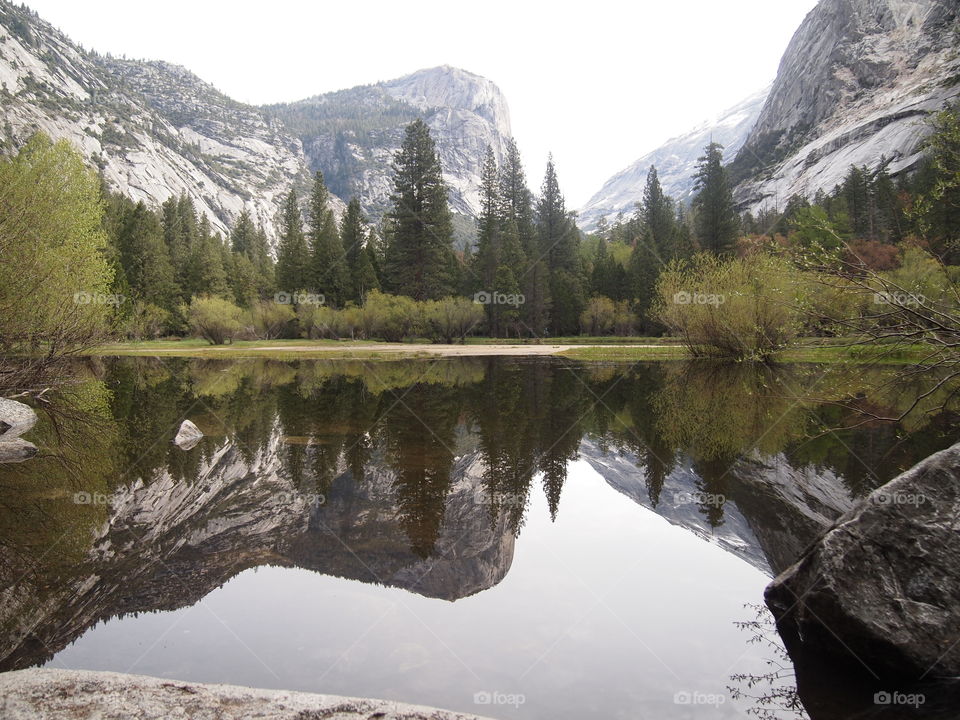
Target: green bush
x=452 y=318
x=216 y=320
x=146 y=322
x=271 y=319
x=598 y=317
x=391 y=317
x=738 y=308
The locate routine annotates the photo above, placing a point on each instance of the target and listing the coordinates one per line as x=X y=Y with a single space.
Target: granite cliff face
x=352 y=135
x=854 y=87
x=675 y=160
x=155 y=130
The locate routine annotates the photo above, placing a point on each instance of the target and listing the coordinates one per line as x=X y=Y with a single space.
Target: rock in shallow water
x=15 y=419
x=16 y=450
x=187 y=436
x=880 y=591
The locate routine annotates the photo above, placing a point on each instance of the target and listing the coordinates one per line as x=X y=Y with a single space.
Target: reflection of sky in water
x=608 y=612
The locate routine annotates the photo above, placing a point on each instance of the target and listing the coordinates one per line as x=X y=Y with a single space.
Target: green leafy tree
x=54 y=273
x=419 y=256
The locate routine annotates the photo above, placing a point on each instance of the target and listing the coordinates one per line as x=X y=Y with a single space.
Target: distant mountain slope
x=855 y=86
x=352 y=135
x=154 y=129
x=675 y=161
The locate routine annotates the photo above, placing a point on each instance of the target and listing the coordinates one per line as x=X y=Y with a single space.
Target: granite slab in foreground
x=50 y=694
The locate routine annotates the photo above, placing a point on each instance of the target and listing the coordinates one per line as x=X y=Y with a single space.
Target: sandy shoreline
x=392 y=348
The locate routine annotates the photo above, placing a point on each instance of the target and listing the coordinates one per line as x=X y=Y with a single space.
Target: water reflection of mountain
x=169 y=542
x=425 y=471
x=771 y=513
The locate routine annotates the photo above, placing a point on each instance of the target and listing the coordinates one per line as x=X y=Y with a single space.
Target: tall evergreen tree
x=716 y=219
x=328 y=263
x=558 y=237
x=489 y=224
x=516 y=199
x=354 y=235
x=293 y=256
x=419 y=256
x=242 y=235
x=559 y=242
x=655 y=246
x=144 y=256
x=658 y=216
x=207 y=275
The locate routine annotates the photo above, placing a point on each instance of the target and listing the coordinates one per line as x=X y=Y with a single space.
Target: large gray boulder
x=880 y=590
x=15 y=419
x=187 y=436
x=54 y=694
x=16 y=450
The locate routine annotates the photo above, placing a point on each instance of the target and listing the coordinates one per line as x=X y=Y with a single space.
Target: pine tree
x=144 y=256
x=328 y=263
x=658 y=217
x=242 y=235
x=489 y=224
x=207 y=275
x=293 y=256
x=655 y=246
x=558 y=238
x=179 y=232
x=517 y=201
x=419 y=255
x=716 y=218
x=353 y=232
x=559 y=241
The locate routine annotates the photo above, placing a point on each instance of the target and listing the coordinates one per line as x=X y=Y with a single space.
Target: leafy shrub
x=739 y=308
x=216 y=320
x=271 y=319
x=146 y=321
x=598 y=317
x=391 y=317
x=452 y=318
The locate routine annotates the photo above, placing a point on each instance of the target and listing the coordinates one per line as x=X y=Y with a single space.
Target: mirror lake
x=518 y=538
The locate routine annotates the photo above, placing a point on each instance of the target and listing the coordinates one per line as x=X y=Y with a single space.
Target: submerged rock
x=47 y=694
x=187 y=436
x=15 y=419
x=880 y=591
x=16 y=450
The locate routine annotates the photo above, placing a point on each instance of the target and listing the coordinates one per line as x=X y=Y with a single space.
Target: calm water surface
x=519 y=539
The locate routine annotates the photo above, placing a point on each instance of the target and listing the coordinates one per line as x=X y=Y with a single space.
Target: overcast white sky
x=597 y=83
